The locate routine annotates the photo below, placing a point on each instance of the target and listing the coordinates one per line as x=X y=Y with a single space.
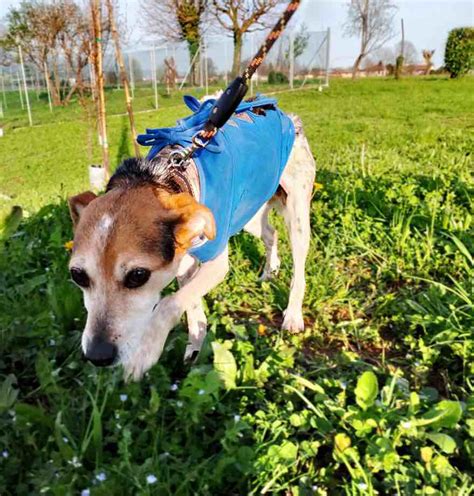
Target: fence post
x=48 y=89
x=20 y=53
x=328 y=52
x=5 y=106
x=132 y=76
x=153 y=76
x=292 y=60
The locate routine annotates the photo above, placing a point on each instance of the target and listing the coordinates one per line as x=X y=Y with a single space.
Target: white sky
x=427 y=22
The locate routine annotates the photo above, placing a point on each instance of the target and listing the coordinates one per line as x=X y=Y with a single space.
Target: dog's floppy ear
x=78 y=203
x=192 y=219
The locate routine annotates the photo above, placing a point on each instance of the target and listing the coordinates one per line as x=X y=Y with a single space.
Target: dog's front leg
x=195 y=316
x=169 y=311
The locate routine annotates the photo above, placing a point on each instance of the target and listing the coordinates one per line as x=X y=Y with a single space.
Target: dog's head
x=128 y=245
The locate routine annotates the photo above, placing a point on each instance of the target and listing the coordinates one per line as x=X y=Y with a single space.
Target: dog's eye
x=80 y=277
x=136 y=278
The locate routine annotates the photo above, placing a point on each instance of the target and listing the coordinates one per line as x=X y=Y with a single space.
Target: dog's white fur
x=141 y=320
x=196 y=281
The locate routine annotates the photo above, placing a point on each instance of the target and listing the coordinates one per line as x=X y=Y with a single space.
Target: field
x=375 y=397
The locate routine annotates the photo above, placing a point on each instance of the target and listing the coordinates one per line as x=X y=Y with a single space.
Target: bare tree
x=35 y=27
x=384 y=54
x=96 y=18
x=244 y=16
x=410 y=53
x=123 y=74
x=176 y=20
x=54 y=35
x=371 y=20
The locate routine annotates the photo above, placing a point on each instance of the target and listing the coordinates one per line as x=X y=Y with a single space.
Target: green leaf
x=445 y=414
x=224 y=364
x=286 y=452
x=342 y=442
x=367 y=390
x=443 y=441
x=33 y=414
x=8 y=394
x=308 y=384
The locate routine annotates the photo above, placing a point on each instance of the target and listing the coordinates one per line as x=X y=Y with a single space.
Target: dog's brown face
x=128 y=245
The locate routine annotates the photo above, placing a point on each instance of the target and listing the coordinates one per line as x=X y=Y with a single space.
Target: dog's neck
x=136 y=172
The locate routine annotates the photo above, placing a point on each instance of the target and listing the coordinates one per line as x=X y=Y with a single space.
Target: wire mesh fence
x=157 y=70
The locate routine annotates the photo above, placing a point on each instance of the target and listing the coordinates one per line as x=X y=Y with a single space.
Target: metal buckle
x=177 y=157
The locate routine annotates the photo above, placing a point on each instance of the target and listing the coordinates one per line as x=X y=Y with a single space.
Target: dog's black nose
x=101 y=353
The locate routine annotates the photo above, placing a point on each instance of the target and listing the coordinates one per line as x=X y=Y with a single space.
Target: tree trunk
x=237 y=53
x=193 y=47
x=355 y=68
x=123 y=76
x=99 y=72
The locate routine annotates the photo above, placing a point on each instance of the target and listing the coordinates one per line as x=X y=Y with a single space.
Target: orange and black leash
x=235 y=92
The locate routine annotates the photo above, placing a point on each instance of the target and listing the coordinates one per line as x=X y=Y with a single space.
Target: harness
x=239 y=169
x=240 y=158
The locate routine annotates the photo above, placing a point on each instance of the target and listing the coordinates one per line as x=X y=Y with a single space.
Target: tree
x=54 y=35
x=372 y=21
x=384 y=54
x=123 y=74
x=176 y=20
x=459 y=52
x=35 y=27
x=410 y=53
x=243 y=16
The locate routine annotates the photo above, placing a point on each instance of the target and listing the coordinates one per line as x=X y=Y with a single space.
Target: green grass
x=376 y=397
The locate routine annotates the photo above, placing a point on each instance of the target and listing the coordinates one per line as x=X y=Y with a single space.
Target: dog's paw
x=191 y=353
x=293 y=321
x=271 y=271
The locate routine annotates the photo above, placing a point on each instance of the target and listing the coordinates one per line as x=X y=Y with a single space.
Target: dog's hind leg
x=196 y=317
x=297 y=182
x=260 y=227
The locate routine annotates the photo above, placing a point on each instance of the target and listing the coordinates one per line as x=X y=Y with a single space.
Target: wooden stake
x=123 y=75
x=46 y=76
x=96 y=13
x=28 y=108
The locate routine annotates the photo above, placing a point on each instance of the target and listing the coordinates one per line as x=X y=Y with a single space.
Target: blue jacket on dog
x=240 y=168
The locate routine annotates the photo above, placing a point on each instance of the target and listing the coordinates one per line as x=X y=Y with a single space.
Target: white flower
x=101 y=477
x=65 y=439
x=343 y=385
x=406 y=425
x=75 y=462
x=151 y=479
x=179 y=404
x=236 y=418
x=5 y=454
x=165 y=454
x=362 y=485
x=52 y=342
x=123 y=397
x=201 y=392
x=314 y=488
x=173 y=387
x=85 y=492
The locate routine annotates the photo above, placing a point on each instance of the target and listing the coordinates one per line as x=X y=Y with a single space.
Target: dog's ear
x=192 y=219
x=78 y=203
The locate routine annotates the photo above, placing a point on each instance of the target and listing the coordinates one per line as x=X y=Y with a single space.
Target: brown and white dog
x=131 y=242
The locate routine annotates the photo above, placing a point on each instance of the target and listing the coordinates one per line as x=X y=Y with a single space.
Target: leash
x=227 y=103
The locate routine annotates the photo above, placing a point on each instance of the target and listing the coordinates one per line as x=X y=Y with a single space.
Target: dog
x=143 y=233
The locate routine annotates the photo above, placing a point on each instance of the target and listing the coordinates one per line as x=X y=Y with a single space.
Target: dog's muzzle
x=101 y=353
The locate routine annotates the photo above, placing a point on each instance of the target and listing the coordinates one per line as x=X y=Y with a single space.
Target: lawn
x=375 y=397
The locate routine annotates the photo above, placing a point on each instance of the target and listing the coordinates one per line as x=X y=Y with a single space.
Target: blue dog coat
x=240 y=168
